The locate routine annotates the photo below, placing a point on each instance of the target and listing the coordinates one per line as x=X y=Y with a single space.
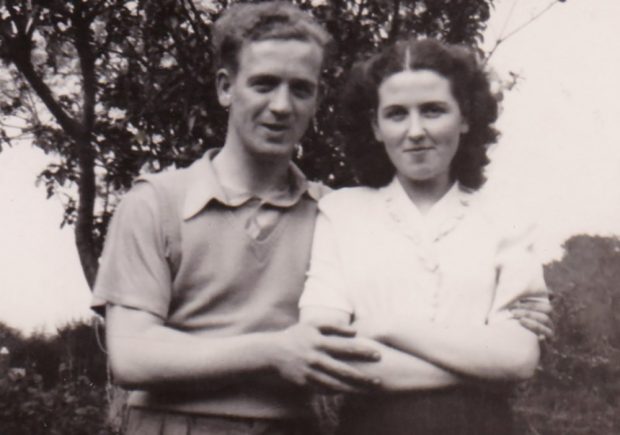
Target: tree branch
x=26 y=68
x=503 y=38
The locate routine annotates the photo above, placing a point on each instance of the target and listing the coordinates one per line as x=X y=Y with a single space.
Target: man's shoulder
x=169 y=187
x=176 y=180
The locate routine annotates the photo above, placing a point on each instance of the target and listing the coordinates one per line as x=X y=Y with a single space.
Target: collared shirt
x=261 y=213
x=181 y=248
x=456 y=265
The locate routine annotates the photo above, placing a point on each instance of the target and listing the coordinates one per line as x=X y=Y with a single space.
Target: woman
x=414 y=260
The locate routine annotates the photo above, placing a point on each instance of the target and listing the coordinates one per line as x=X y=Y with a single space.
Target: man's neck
x=242 y=172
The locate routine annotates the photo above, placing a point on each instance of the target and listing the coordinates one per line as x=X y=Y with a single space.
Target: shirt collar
x=439 y=220
x=456 y=196
x=204 y=187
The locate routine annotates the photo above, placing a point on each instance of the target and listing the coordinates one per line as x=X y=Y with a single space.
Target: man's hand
x=535 y=315
x=316 y=356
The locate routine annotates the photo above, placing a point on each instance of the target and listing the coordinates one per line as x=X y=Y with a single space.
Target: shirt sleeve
x=134 y=271
x=325 y=283
x=519 y=274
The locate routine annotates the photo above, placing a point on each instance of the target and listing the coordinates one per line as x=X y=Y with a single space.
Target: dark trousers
x=142 y=421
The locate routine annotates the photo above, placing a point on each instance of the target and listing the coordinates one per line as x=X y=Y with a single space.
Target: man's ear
x=223 y=85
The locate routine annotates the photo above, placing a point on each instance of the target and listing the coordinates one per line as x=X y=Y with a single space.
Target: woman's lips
x=417 y=149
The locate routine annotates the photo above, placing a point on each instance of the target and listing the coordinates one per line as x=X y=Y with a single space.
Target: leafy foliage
x=115 y=87
x=61 y=388
x=68 y=408
x=577 y=390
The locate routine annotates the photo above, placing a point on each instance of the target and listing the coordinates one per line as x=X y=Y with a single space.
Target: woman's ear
x=464 y=126
x=375 y=127
x=223 y=85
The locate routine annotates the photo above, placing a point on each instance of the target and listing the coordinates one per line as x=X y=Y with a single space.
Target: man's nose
x=281 y=100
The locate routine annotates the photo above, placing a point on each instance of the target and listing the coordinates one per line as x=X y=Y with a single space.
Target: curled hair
x=470 y=87
x=247 y=22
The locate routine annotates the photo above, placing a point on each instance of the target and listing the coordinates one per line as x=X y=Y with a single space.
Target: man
x=203 y=267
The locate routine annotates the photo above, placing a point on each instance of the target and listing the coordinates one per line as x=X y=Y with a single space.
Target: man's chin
x=273 y=149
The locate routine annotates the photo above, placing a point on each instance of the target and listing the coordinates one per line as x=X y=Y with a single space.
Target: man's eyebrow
x=263 y=78
x=304 y=82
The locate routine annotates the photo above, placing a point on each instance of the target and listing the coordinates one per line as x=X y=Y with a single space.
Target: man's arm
x=534 y=314
x=146 y=354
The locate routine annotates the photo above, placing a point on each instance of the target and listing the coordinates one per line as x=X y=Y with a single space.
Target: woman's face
x=419 y=122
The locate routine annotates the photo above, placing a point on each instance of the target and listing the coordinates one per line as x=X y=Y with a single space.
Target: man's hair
x=470 y=87
x=248 y=22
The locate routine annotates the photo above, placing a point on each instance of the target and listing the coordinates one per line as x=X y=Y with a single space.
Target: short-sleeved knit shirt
x=455 y=265
x=212 y=265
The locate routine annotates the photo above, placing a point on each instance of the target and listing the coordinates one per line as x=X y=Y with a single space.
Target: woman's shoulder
x=508 y=217
x=348 y=198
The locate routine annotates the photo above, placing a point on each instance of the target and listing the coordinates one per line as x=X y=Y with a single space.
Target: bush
x=56 y=386
x=27 y=407
x=577 y=391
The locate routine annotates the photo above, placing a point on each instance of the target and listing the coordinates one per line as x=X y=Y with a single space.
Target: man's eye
x=302 y=90
x=262 y=87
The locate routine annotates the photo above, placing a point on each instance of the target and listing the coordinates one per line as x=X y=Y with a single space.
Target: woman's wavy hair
x=470 y=87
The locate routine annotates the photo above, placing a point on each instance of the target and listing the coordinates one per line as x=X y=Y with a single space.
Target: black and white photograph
x=309 y=217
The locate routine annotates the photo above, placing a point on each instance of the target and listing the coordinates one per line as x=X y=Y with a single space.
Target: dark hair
x=470 y=87
x=246 y=22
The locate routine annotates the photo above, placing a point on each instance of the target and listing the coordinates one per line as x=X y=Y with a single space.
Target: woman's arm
x=503 y=351
x=397 y=370
x=499 y=349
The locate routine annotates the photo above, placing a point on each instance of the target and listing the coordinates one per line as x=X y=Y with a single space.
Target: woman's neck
x=425 y=193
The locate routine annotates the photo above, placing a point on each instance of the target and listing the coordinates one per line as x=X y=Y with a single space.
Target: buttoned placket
x=424 y=235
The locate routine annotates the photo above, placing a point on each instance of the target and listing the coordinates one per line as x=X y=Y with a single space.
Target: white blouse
x=374 y=254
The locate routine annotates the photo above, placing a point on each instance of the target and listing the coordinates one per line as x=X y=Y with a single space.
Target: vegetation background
x=113 y=88
x=64 y=389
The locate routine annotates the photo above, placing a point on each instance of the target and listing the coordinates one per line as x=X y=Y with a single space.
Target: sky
x=559 y=156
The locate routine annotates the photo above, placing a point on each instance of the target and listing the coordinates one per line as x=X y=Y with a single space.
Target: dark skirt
x=455 y=411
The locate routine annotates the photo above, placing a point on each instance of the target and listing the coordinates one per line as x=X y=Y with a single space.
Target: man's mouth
x=276 y=128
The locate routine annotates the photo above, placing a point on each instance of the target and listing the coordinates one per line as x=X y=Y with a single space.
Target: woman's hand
x=534 y=314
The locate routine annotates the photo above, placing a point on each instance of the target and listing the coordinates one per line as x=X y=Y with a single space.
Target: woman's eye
x=395 y=114
x=433 y=110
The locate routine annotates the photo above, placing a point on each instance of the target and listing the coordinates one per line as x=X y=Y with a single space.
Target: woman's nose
x=416 y=128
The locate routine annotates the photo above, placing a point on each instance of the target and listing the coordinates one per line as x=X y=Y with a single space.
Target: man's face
x=272 y=97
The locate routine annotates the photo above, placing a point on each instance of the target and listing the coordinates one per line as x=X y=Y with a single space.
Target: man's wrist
x=268 y=351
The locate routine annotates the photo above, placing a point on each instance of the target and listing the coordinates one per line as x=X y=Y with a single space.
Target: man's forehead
x=278 y=56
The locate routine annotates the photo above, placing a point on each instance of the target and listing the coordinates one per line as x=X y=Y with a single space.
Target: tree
x=111 y=88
